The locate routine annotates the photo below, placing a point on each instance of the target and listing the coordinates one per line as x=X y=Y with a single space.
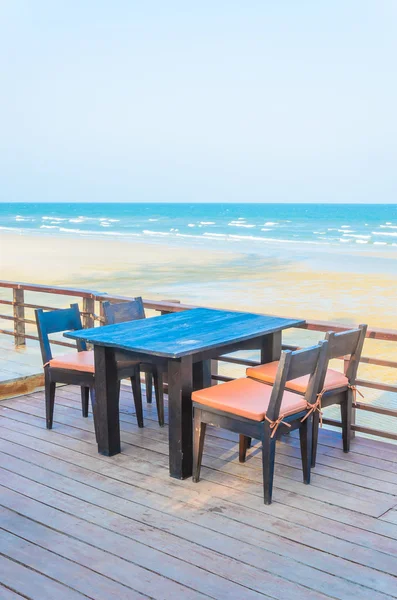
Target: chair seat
x=267 y=374
x=75 y=361
x=247 y=398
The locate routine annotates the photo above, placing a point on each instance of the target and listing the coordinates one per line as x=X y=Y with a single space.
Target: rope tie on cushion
x=274 y=424
x=315 y=407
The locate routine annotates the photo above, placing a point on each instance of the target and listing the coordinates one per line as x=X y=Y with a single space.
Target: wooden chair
x=75 y=368
x=338 y=388
x=130 y=311
x=249 y=407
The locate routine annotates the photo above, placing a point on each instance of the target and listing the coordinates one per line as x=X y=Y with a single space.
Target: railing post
x=88 y=307
x=19 y=315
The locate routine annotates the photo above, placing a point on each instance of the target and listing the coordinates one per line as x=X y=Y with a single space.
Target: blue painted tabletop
x=179 y=334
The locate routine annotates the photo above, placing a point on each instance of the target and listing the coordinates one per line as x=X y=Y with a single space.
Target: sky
x=209 y=101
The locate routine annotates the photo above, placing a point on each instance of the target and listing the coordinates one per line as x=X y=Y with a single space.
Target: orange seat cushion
x=267 y=374
x=247 y=398
x=75 y=361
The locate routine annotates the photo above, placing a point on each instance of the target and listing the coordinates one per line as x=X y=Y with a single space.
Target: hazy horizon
x=289 y=102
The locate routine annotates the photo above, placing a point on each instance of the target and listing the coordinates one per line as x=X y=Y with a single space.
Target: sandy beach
x=325 y=286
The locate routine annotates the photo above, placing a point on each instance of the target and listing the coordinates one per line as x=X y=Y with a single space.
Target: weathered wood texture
x=74 y=524
x=180 y=334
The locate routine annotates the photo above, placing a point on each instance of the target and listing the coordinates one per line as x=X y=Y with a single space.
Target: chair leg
x=305 y=437
x=268 y=457
x=85 y=393
x=198 y=443
x=346 y=411
x=137 y=393
x=149 y=387
x=159 y=392
x=244 y=440
x=49 y=400
x=315 y=430
x=93 y=406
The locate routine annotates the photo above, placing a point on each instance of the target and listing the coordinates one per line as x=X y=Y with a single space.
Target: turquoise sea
x=355 y=225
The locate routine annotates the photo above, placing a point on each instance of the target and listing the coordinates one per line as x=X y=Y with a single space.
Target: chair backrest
x=311 y=361
x=347 y=343
x=57 y=321
x=123 y=311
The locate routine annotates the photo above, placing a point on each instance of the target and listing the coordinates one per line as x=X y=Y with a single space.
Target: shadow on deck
x=77 y=525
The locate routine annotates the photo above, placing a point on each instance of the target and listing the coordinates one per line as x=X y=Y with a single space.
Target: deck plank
x=213 y=539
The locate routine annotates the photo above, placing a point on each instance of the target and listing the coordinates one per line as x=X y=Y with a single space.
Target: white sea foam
x=207 y=222
x=388 y=233
x=389 y=226
x=345 y=226
x=78 y=220
x=18 y=218
x=191 y=225
x=217 y=235
x=152 y=220
x=266 y=229
x=361 y=242
x=352 y=235
x=380 y=243
x=149 y=232
x=271 y=223
x=235 y=224
x=49 y=226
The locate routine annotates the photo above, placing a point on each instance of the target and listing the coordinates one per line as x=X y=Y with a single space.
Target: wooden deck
x=77 y=525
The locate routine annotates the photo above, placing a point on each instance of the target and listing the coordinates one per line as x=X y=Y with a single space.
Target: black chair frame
x=311 y=361
x=130 y=311
x=69 y=319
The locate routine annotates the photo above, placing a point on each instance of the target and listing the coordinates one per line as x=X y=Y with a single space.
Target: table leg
x=107 y=401
x=180 y=385
x=202 y=374
x=270 y=347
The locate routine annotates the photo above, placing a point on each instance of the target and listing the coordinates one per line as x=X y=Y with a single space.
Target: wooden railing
x=92 y=314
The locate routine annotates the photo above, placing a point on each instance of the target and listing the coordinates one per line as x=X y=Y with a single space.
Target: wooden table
x=184 y=343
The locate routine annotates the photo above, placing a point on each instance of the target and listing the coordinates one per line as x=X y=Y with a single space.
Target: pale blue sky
x=261 y=101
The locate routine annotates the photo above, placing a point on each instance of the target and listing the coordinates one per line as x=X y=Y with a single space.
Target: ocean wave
x=11 y=228
x=352 y=235
x=49 y=226
x=389 y=226
x=361 y=241
x=19 y=218
x=270 y=223
x=191 y=225
x=380 y=243
x=149 y=232
x=235 y=224
x=388 y=233
x=345 y=227
x=215 y=235
x=207 y=222
x=45 y=218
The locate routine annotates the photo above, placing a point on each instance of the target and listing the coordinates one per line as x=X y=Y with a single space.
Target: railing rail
x=92 y=313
